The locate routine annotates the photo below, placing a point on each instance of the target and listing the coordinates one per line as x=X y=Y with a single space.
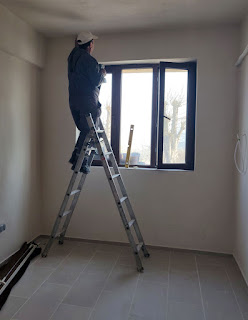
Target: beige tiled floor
x=86 y=281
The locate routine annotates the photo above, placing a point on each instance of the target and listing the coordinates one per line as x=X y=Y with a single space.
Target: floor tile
x=106 y=285
x=156 y=255
x=85 y=291
x=109 y=248
x=84 y=250
x=68 y=271
x=184 y=311
x=156 y=273
x=31 y=281
x=126 y=250
x=213 y=278
x=98 y=270
x=156 y=266
x=241 y=294
x=11 y=306
x=182 y=258
x=105 y=258
x=53 y=259
x=221 y=305
x=66 y=312
x=127 y=260
x=43 y=303
x=149 y=301
x=184 y=287
x=122 y=279
x=214 y=259
x=112 y=306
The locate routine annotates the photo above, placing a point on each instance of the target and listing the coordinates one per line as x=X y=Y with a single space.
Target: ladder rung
x=139 y=246
x=66 y=213
x=131 y=222
x=99 y=131
x=123 y=199
x=74 y=192
x=115 y=176
x=108 y=153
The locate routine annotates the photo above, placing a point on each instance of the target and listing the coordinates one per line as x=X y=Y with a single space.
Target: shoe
x=74 y=157
x=85 y=166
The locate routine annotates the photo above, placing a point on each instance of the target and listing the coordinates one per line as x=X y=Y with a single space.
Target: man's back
x=84 y=80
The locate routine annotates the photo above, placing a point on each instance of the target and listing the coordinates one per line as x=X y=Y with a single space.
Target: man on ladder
x=85 y=77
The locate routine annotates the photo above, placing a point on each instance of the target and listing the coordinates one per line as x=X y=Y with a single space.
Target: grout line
x=42 y=282
x=167 y=291
x=240 y=310
x=73 y=284
x=134 y=292
x=94 y=307
x=199 y=281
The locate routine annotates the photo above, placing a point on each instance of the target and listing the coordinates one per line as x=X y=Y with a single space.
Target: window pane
x=175 y=108
x=105 y=98
x=136 y=109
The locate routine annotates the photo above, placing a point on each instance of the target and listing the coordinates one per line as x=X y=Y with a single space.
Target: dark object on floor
x=11 y=264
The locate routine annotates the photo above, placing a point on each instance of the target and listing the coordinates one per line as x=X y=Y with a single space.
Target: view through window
x=175 y=108
x=136 y=109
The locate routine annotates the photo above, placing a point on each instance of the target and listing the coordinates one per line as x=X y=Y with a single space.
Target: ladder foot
x=145 y=252
x=140 y=269
x=61 y=242
x=44 y=255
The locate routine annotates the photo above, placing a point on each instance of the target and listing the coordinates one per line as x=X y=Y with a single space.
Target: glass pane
x=136 y=109
x=175 y=108
x=105 y=98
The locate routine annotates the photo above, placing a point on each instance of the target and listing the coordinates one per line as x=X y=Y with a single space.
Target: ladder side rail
x=111 y=182
x=113 y=161
x=66 y=197
x=123 y=189
x=72 y=207
x=120 y=208
x=59 y=216
x=74 y=201
x=120 y=180
x=114 y=191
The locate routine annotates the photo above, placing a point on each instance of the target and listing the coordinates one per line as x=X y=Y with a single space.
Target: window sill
x=155 y=169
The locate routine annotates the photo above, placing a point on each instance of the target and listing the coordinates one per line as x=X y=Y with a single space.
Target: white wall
x=21 y=55
x=175 y=209
x=241 y=236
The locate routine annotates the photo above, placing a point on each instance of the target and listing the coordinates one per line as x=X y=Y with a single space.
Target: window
x=159 y=100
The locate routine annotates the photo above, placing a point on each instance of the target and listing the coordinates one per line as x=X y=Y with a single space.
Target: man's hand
x=103 y=72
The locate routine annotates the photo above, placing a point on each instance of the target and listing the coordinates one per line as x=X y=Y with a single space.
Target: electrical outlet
x=2 y=227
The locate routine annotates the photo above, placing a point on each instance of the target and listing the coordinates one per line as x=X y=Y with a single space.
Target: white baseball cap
x=85 y=36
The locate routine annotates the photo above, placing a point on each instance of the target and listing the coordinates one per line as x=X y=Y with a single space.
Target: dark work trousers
x=79 y=118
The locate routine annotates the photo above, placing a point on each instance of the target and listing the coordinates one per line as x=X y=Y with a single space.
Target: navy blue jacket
x=85 y=79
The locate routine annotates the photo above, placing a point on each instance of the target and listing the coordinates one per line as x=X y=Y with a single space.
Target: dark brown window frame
x=157 y=113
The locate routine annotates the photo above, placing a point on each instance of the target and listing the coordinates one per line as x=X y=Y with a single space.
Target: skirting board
x=148 y=246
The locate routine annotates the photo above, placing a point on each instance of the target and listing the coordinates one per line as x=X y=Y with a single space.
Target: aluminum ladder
x=97 y=140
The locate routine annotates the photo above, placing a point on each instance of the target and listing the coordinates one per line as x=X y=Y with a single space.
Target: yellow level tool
x=129 y=146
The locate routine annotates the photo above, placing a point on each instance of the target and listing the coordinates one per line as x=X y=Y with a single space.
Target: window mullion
x=154 y=118
x=116 y=111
